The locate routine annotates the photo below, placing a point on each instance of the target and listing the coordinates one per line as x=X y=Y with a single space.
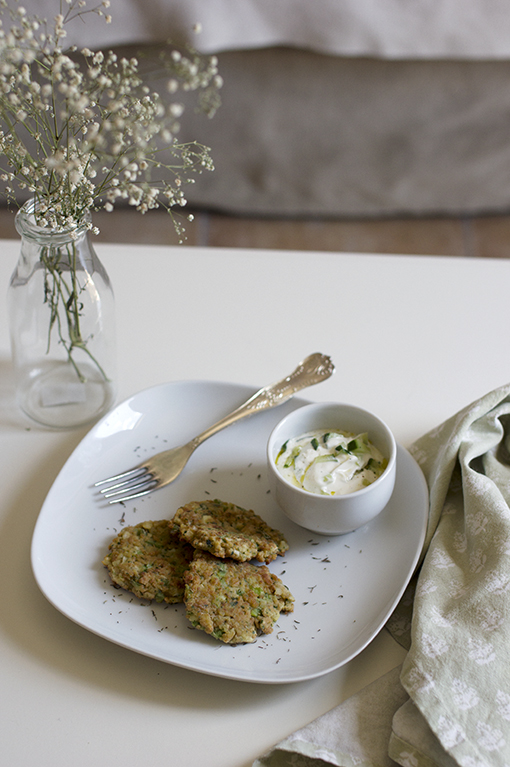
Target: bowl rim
x=333 y=498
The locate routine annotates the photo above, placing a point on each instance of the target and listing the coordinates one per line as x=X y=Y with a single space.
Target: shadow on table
x=10 y=415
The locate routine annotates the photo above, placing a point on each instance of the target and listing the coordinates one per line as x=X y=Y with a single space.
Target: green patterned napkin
x=449 y=703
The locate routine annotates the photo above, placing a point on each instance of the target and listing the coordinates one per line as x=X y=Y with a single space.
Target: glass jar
x=62 y=325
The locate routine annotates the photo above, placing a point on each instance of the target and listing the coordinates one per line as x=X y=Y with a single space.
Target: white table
x=413 y=338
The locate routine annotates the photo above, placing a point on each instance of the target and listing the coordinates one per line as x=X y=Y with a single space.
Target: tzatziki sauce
x=330 y=462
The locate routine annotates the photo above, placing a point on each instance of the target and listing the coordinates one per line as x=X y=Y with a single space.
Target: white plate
x=345 y=587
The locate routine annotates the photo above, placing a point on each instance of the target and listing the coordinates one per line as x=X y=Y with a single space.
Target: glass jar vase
x=62 y=325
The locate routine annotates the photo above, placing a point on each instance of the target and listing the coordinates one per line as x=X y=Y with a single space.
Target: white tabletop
x=413 y=338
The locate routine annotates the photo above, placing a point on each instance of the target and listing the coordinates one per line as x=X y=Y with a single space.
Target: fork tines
x=130 y=481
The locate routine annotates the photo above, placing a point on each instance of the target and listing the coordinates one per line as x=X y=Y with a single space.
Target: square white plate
x=345 y=587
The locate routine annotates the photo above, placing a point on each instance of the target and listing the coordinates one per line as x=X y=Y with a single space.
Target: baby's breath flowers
x=81 y=130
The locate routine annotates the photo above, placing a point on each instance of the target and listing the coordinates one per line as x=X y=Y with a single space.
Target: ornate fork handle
x=312 y=370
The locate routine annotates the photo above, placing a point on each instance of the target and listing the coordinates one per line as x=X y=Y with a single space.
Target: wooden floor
x=482 y=237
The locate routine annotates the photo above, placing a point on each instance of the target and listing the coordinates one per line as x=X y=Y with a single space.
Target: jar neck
x=28 y=228
x=41 y=247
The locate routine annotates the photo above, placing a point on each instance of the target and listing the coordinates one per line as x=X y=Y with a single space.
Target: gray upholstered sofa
x=340 y=107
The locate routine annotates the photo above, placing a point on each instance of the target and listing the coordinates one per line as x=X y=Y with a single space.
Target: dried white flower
x=96 y=126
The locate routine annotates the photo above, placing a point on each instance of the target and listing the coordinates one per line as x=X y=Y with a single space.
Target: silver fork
x=163 y=468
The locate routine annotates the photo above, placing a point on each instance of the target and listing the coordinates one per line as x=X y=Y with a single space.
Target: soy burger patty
x=233 y=601
x=149 y=559
x=226 y=530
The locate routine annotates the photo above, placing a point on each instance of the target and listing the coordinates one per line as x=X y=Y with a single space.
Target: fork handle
x=312 y=370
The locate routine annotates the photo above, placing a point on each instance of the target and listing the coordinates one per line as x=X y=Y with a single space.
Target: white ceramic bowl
x=325 y=514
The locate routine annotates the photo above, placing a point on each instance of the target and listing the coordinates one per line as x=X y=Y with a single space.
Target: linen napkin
x=449 y=702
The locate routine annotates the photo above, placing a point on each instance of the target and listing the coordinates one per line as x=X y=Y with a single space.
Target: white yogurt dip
x=330 y=462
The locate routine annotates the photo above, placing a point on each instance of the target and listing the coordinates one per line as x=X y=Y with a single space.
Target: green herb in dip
x=330 y=462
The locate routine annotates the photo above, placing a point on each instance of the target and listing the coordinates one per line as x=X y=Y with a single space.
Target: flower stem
x=65 y=308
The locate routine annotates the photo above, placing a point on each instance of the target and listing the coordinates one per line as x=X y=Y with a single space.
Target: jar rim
x=26 y=226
